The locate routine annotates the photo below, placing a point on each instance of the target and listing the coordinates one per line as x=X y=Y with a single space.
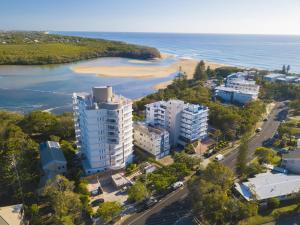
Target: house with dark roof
x=52 y=159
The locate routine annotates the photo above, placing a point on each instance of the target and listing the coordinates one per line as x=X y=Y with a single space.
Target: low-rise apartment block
x=185 y=122
x=237 y=88
x=282 y=78
x=152 y=139
x=103 y=127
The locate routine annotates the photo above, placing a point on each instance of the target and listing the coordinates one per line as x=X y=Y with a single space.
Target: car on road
x=258 y=130
x=177 y=185
x=97 y=202
x=276 y=135
x=265 y=119
x=269 y=142
x=219 y=157
x=150 y=202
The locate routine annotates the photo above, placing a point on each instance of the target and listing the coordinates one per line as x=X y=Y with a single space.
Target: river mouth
x=50 y=87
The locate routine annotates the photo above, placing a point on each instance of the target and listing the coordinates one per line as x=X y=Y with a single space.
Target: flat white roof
x=120 y=180
x=269 y=185
x=274 y=75
x=230 y=89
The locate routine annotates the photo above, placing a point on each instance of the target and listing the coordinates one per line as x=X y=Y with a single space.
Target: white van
x=177 y=185
x=219 y=157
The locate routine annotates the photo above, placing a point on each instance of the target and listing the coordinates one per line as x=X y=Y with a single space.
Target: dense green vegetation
x=279 y=91
x=36 y=48
x=20 y=168
x=63 y=201
x=212 y=200
x=108 y=211
x=138 y=192
x=231 y=120
x=200 y=72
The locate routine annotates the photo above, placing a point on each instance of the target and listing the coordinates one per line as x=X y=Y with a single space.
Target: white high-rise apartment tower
x=103 y=127
x=185 y=122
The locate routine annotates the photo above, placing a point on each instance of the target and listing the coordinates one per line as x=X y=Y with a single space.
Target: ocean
x=27 y=88
x=259 y=51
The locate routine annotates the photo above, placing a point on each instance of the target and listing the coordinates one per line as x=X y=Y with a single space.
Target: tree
x=241 y=163
x=273 y=203
x=200 y=72
x=19 y=166
x=218 y=174
x=212 y=200
x=33 y=213
x=65 y=203
x=253 y=169
x=190 y=161
x=288 y=68
x=217 y=134
x=137 y=192
x=38 y=122
x=189 y=149
x=160 y=182
x=283 y=69
x=210 y=73
x=265 y=155
x=108 y=211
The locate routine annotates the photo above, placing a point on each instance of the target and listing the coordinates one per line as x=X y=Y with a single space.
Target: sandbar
x=144 y=72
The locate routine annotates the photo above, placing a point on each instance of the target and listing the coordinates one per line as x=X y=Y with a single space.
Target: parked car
x=219 y=157
x=258 y=130
x=177 y=185
x=97 y=202
x=269 y=142
x=150 y=202
x=97 y=191
x=265 y=119
x=276 y=135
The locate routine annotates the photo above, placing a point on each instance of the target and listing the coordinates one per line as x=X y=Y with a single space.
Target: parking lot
x=110 y=192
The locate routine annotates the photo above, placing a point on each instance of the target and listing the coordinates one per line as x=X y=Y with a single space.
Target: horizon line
x=149 y=32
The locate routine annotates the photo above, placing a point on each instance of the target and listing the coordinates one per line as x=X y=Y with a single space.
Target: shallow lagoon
x=27 y=88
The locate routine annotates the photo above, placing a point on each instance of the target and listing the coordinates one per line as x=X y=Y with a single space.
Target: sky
x=176 y=16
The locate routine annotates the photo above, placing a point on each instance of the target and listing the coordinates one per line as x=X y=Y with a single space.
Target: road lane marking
x=163 y=200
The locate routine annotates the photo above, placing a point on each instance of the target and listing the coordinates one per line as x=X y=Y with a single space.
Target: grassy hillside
x=36 y=48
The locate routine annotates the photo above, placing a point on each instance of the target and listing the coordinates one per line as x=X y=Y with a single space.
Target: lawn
x=270 y=216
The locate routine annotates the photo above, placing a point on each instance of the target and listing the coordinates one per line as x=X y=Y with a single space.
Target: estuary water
x=27 y=88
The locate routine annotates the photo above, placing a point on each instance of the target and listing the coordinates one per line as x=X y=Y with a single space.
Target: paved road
x=166 y=212
x=269 y=128
x=175 y=206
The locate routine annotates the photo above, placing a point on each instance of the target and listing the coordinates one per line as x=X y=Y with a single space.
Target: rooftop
x=230 y=89
x=101 y=97
x=11 y=215
x=50 y=151
x=242 y=82
x=237 y=75
x=274 y=75
x=120 y=180
x=141 y=126
x=195 y=108
x=292 y=154
x=269 y=185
